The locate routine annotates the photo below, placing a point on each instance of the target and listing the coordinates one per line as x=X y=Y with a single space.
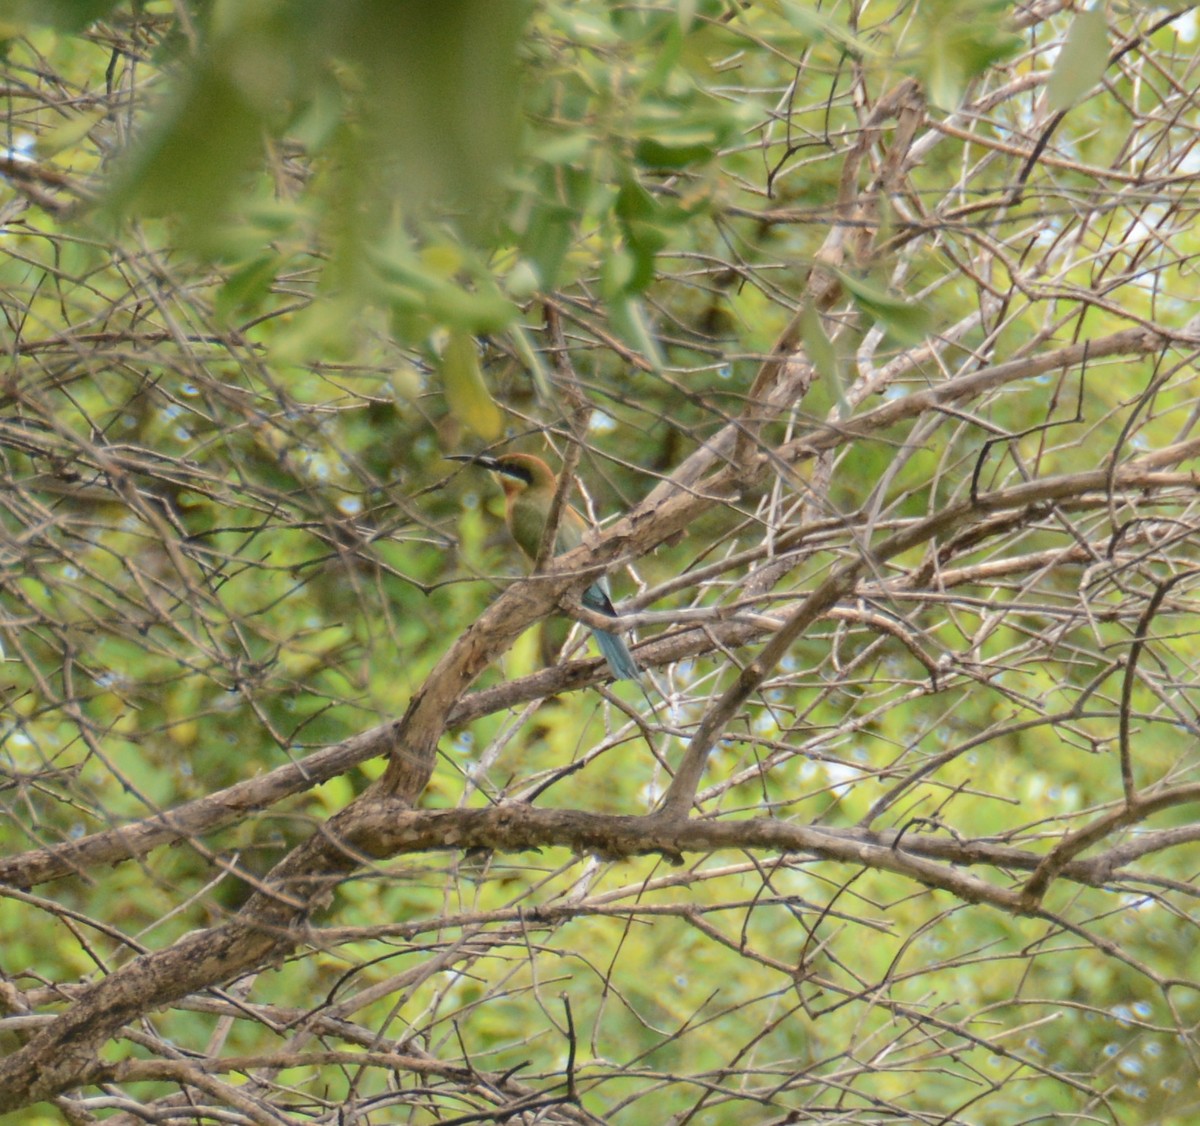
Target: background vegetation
x=865 y=333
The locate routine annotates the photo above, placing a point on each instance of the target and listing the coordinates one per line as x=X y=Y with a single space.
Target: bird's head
x=515 y=472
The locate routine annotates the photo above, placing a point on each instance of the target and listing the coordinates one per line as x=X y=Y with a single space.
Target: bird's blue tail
x=616 y=653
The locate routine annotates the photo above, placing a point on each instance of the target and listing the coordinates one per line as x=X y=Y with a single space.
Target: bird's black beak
x=497 y=465
x=482 y=460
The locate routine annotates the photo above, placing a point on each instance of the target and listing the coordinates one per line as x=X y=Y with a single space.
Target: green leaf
x=563 y=148
x=628 y=318
x=441 y=259
x=960 y=40
x=821 y=353
x=547 y=238
x=616 y=273
x=246 y=287
x=444 y=84
x=466 y=393
x=522 y=282
x=323 y=328
x=645 y=241
x=482 y=311
x=665 y=57
x=907 y=321
x=821 y=28
x=1081 y=62
x=405 y=381
x=524 y=348
x=676 y=147
x=646 y=227
x=193 y=160
x=70 y=133
x=64 y=15
x=634 y=202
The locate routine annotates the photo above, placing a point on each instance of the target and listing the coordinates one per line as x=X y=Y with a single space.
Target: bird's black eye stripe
x=517 y=472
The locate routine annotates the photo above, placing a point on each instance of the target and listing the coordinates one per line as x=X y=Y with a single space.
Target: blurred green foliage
x=327 y=240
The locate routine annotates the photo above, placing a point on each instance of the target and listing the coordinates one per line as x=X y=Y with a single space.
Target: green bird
x=529 y=486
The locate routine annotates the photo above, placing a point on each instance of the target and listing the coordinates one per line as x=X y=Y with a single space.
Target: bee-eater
x=529 y=486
